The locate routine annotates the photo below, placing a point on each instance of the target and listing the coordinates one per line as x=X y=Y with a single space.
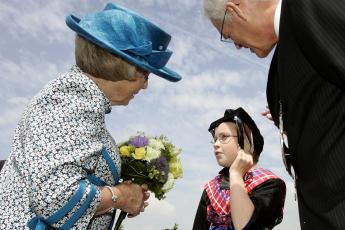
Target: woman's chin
x=122 y=102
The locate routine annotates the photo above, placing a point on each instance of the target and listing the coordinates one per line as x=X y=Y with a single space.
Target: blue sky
x=37 y=46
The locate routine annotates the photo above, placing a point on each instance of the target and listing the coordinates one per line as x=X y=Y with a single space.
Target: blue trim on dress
x=68 y=207
x=111 y=165
x=39 y=223
x=96 y=180
x=75 y=217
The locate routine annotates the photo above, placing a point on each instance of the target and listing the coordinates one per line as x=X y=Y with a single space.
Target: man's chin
x=260 y=53
x=263 y=52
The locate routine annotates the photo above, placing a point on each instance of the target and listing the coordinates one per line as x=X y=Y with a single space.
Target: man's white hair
x=215 y=9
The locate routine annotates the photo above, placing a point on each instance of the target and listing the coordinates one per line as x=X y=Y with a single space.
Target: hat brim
x=166 y=73
x=216 y=123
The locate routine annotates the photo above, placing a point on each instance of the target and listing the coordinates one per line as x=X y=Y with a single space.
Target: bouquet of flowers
x=148 y=160
x=151 y=160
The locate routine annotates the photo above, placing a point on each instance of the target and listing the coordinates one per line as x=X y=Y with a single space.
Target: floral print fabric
x=58 y=142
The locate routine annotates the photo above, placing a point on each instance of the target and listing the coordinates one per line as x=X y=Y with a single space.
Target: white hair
x=215 y=9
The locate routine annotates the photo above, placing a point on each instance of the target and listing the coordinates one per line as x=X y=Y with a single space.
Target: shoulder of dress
x=258 y=176
x=72 y=90
x=212 y=182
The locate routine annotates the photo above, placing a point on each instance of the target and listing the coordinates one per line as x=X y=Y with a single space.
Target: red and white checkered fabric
x=220 y=198
x=256 y=177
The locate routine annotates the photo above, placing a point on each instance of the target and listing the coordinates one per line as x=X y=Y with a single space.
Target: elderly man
x=305 y=91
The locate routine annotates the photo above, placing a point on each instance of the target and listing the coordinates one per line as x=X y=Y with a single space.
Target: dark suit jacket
x=307 y=74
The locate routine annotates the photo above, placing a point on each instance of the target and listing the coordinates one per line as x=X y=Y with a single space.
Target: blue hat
x=129 y=36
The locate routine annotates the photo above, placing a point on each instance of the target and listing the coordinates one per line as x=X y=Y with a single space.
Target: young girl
x=240 y=196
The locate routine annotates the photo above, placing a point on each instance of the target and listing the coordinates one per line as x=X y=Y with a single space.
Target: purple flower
x=162 y=165
x=138 y=141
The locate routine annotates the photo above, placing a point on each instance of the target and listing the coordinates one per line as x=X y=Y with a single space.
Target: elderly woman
x=63 y=169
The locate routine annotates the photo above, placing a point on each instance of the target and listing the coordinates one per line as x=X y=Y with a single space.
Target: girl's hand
x=242 y=163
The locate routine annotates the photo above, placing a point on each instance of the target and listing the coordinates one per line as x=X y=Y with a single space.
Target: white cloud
x=26 y=75
x=35 y=19
x=178 y=4
x=215 y=77
x=11 y=116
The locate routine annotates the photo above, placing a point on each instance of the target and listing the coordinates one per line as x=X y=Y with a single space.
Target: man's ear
x=235 y=8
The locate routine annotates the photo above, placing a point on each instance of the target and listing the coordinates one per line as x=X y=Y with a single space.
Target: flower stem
x=139 y=174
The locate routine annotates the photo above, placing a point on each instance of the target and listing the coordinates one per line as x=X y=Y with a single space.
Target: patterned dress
x=57 y=143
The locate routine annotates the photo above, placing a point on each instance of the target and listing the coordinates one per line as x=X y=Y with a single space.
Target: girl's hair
x=248 y=141
x=100 y=63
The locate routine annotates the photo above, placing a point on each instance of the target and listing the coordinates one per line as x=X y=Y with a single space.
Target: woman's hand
x=132 y=198
x=242 y=163
x=146 y=197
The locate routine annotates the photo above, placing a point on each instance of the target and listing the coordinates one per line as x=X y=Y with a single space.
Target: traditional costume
x=266 y=190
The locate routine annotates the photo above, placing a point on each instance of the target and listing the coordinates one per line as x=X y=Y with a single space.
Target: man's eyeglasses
x=223 y=139
x=222 y=39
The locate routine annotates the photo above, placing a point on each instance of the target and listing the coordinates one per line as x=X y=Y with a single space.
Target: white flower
x=175 y=167
x=169 y=184
x=156 y=144
x=151 y=153
x=176 y=152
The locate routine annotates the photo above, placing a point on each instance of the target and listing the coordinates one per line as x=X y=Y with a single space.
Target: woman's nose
x=146 y=80
x=145 y=85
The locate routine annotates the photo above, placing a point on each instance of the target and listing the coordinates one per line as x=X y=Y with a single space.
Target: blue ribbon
x=156 y=58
